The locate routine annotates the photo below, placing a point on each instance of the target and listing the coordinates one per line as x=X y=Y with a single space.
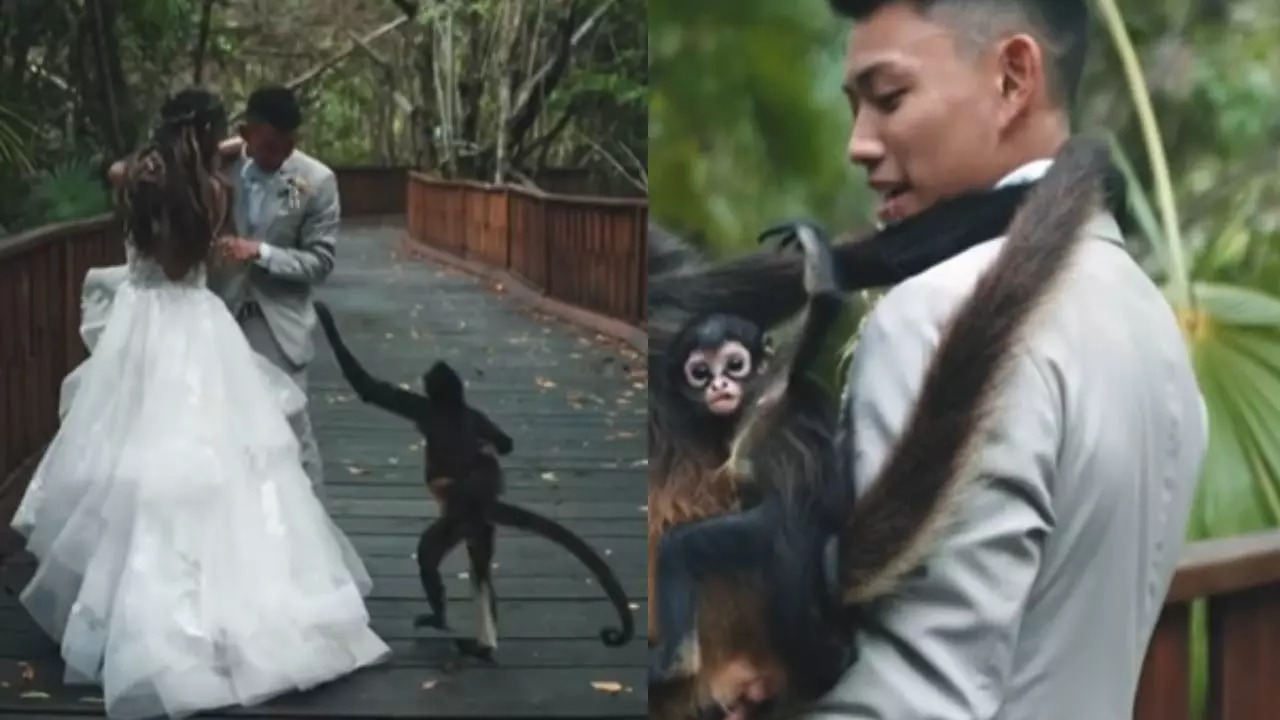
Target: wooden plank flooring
x=574 y=404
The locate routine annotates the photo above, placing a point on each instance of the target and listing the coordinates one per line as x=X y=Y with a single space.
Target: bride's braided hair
x=172 y=200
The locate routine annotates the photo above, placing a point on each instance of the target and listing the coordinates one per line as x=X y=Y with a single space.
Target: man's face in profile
x=927 y=110
x=268 y=147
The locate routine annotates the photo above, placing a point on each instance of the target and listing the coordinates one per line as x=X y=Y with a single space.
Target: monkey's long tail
x=517 y=517
x=895 y=523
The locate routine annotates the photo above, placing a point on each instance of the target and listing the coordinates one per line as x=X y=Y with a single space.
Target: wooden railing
x=588 y=252
x=40 y=277
x=1238 y=578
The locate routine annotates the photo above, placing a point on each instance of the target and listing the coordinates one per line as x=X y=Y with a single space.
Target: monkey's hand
x=819 y=265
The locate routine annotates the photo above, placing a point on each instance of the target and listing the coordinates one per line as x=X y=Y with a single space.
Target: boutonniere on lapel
x=295 y=188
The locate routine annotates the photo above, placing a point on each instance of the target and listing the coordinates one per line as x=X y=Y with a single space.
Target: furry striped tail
x=895 y=523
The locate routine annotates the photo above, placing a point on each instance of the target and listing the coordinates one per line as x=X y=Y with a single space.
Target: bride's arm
x=231 y=148
x=228 y=149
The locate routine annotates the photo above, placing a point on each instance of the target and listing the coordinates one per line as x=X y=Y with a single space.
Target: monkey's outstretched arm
x=768 y=288
x=690 y=553
x=371 y=390
x=490 y=432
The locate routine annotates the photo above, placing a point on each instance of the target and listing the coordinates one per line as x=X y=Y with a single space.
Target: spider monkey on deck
x=464 y=476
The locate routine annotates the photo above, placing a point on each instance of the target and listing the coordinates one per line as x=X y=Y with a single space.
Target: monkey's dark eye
x=737 y=365
x=698 y=373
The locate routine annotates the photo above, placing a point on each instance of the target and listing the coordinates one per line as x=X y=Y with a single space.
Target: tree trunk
x=202 y=42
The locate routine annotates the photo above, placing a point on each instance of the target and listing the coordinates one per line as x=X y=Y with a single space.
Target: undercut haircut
x=1061 y=27
x=276 y=106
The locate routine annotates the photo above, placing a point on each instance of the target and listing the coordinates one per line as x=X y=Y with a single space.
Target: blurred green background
x=747 y=125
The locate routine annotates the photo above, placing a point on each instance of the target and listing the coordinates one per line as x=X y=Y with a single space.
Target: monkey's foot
x=469 y=647
x=431 y=620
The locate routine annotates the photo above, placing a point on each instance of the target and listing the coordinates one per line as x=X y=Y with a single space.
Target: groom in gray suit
x=1039 y=601
x=287 y=213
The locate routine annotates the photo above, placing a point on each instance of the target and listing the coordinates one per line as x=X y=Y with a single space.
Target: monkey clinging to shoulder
x=893 y=524
x=742 y=532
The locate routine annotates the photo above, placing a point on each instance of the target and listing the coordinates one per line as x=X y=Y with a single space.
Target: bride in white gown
x=185 y=562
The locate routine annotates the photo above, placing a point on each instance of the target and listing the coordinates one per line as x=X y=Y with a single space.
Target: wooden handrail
x=1238 y=581
x=1212 y=568
x=51 y=233
x=584 y=252
x=600 y=201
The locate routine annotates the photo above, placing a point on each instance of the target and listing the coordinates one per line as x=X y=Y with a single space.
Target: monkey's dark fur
x=465 y=477
x=889 y=529
x=778 y=537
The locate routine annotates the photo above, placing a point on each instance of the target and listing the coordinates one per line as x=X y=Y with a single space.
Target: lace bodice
x=146 y=272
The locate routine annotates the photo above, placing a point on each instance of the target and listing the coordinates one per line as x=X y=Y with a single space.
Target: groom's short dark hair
x=276 y=106
x=1060 y=26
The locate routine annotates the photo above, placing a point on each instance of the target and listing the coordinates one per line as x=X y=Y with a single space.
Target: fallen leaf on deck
x=393 y=460
x=404 y=386
x=463 y=575
x=544 y=383
x=357 y=470
x=633 y=606
x=430 y=684
x=549 y=477
x=34 y=695
x=607 y=686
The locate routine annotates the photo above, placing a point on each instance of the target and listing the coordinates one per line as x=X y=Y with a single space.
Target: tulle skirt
x=184 y=561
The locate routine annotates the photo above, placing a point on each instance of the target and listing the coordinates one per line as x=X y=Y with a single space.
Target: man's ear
x=1021 y=67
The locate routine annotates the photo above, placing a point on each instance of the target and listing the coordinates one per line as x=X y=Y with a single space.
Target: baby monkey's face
x=718 y=375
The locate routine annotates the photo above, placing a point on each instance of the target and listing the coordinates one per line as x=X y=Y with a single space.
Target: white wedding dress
x=184 y=561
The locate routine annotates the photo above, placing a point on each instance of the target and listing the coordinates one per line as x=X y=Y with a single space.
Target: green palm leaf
x=1233 y=335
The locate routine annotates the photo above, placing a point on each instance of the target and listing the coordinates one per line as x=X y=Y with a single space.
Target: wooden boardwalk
x=574 y=404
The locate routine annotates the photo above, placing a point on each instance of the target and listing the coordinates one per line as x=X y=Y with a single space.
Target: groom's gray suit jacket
x=1040 y=600
x=298 y=225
